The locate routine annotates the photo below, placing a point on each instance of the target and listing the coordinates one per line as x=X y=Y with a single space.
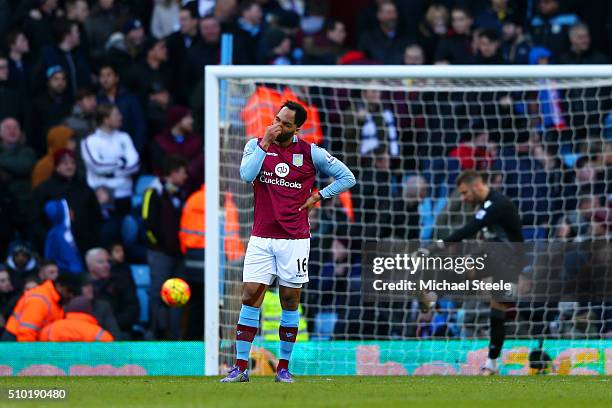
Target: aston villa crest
x=298 y=160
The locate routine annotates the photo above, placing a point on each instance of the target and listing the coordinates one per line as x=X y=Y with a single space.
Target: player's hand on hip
x=311 y=202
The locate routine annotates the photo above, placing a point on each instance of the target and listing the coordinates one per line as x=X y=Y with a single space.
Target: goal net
x=541 y=134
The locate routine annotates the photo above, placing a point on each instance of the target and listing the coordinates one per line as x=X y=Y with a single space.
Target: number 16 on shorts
x=302 y=267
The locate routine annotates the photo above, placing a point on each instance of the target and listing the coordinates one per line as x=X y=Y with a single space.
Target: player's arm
x=332 y=167
x=255 y=154
x=482 y=218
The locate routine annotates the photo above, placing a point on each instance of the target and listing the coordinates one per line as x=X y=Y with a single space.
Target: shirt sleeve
x=131 y=157
x=329 y=165
x=252 y=159
x=487 y=215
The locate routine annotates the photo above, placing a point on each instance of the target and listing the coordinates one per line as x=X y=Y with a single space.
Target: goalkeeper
x=498 y=220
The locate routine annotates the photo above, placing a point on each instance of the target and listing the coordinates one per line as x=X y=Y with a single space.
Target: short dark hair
x=463 y=10
x=300 y=112
x=11 y=37
x=108 y=65
x=103 y=111
x=490 y=33
x=246 y=5
x=330 y=24
x=46 y=262
x=192 y=9
x=62 y=28
x=70 y=282
x=172 y=163
x=83 y=93
x=468 y=177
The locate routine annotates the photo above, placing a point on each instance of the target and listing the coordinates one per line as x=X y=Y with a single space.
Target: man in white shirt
x=111 y=158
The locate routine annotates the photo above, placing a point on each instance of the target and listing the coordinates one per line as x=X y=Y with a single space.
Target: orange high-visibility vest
x=262 y=106
x=193 y=221
x=193 y=225
x=75 y=327
x=36 y=308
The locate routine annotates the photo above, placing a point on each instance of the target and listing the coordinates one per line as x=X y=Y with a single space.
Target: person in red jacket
x=39 y=307
x=78 y=325
x=180 y=139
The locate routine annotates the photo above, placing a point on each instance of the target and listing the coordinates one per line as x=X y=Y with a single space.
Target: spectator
x=515 y=45
x=488 y=48
x=38 y=25
x=455 y=48
x=494 y=16
x=157 y=105
x=12 y=103
x=63 y=184
x=327 y=47
x=404 y=219
x=43 y=304
x=384 y=43
x=21 y=263
x=112 y=92
x=82 y=120
x=370 y=127
x=78 y=11
x=16 y=163
x=78 y=325
x=125 y=48
x=248 y=31
x=151 y=70
x=20 y=70
x=59 y=245
x=8 y=223
x=414 y=55
x=161 y=211
x=580 y=51
x=550 y=26
x=276 y=48
x=65 y=54
x=204 y=52
x=7 y=293
x=165 y=18
x=432 y=29
x=47 y=270
x=110 y=158
x=179 y=139
x=50 y=108
x=117 y=289
x=58 y=138
x=100 y=25
x=179 y=43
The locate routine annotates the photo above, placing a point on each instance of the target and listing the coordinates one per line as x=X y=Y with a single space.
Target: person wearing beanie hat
x=58 y=137
x=125 y=47
x=153 y=68
x=65 y=184
x=179 y=139
x=78 y=325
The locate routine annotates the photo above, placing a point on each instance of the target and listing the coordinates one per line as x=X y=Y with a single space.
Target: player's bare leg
x=252 y=297
x=288 y=330
x=497 y=334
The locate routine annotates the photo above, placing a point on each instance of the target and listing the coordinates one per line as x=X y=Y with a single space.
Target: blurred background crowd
x=101 y=141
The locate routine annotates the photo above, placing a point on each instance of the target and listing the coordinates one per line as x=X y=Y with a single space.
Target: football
x=175 y=292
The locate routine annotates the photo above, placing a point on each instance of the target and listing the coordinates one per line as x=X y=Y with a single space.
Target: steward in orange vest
x=39 y=307
x=78 y=325
x=192 y=239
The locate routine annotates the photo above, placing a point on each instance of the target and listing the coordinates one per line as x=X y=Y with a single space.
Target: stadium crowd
x=101 y=142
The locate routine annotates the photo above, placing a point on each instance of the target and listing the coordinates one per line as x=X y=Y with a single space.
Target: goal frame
x=214 y=74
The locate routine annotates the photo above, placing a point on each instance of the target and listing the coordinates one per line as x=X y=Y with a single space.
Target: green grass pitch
x=312 y=392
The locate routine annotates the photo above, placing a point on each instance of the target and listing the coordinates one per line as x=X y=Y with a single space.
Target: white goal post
x=215 y=75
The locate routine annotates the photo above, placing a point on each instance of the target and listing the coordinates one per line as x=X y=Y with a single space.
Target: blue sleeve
x=252 y=159
x=329 y=165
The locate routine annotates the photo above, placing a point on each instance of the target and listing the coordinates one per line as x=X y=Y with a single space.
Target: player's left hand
x=311 y=202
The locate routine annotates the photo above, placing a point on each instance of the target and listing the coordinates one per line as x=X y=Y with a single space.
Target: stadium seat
x=324 y=325
x=142 y=280
x=142 y=184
